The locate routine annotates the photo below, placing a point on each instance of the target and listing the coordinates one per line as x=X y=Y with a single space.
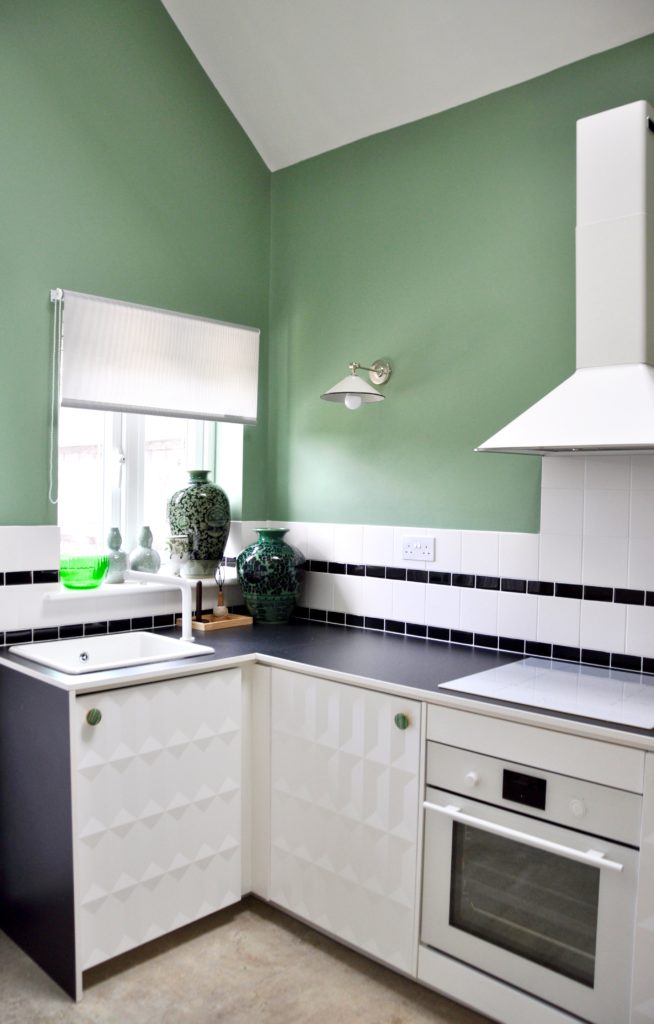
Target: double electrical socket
x=418 y=549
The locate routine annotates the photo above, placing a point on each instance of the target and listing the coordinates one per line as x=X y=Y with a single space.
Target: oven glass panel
x=535 y=904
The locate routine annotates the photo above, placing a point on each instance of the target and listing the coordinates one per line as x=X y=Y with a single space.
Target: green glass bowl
x=84 y=572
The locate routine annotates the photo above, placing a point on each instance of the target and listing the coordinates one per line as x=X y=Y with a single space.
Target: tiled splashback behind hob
x=582 y=589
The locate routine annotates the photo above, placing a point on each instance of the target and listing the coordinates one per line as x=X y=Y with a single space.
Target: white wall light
x=353 y=390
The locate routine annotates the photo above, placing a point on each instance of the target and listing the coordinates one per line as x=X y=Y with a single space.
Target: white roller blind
x=129 y=358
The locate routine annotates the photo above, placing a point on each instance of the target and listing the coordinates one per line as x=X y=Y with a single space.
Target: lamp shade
x=355 y=386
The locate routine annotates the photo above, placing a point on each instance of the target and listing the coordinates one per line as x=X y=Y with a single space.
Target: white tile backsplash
x=559 y=620
x=378 y=545
x=480 y=552
x=562 y=511
x=603 y=626
x=606 y=513
x=560 y=558
x=443 y=607
x=597 y=529
x=519 y=555
x=348 y=544
x=378 y=598
x=479 y=610
x=29 y=547
x=605 y=559
x=409 y=602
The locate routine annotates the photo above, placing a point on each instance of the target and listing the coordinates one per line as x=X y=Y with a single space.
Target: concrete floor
x=246 y=965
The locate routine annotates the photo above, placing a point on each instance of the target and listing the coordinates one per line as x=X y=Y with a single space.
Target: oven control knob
x=471 y=779
x=577 y=807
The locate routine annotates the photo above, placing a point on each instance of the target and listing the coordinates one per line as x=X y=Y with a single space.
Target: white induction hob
x=608 y=695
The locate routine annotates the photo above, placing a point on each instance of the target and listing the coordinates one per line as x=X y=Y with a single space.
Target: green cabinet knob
x=93 y=716
x=402 y=721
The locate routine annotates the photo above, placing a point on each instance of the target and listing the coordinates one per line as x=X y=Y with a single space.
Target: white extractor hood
x=608 y=403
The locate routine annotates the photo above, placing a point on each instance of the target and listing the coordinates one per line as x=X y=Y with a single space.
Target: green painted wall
x=122 y=173
x=448 y=246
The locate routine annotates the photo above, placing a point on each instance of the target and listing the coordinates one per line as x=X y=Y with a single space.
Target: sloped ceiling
x=305 y=76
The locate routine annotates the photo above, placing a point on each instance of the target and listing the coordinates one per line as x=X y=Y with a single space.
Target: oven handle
x=594 y=857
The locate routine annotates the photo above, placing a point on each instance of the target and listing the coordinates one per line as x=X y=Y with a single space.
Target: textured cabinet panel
x=158 y=809
x=642 y=1006
x=344 y=812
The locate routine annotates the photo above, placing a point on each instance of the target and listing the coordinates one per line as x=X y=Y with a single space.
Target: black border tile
x=95 y=628
x=160 y=621
x=317 y=615
x=648 y=665
x=537 y=649
x=598 y=593
x=71 y=631
x=18 y=579
x=625 y=595
x=144 y=622
x=356 y=570
x=488 y=582
x=417 y=576
x=573 y=590
x=508 y=643
x=542 y=588
x=394 y=626
x=463 y=579
x=560 y=652
x=438 y=633
x=601 y=658
x=354 y=620
x=45 y=633
x=649 y=598
x=18 y=636
x=372 y=622
x=45 y=576
x=336 y=568
x=300 y=612
x=377 y=572
x=121 y=625
x=461 y=636
x=415 y=629
x=394 y=573
x=336 y=618
x=316 y=565
x=441 y=579
x=512 y=586
x=486 y=640
x=630 y=662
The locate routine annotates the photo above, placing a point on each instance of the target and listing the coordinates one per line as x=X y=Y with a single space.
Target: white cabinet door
x=158 y=809
x=344 y=812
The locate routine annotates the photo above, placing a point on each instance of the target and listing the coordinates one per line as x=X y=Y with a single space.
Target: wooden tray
x=209 y=622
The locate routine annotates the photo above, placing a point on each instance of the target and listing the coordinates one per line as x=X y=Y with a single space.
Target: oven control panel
x=576 y=803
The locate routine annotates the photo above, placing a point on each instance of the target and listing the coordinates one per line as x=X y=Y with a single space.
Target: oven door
x=541 y=907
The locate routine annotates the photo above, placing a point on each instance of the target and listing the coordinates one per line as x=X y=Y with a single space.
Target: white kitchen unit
x=157 y=809
x=344 y=812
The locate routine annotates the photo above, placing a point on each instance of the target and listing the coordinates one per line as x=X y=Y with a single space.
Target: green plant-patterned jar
x=201 y=512
x=270 y=572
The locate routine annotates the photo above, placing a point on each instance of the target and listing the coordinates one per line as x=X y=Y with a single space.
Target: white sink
x=99 y=653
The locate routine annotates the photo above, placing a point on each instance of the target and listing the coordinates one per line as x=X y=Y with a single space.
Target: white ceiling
x=306 y=76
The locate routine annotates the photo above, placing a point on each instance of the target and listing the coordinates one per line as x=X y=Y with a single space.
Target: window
x=119 y=469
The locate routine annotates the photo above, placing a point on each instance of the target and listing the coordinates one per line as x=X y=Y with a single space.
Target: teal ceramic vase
x=117 y=557
x=270 y=572
x=144 y=558
x=201 y=512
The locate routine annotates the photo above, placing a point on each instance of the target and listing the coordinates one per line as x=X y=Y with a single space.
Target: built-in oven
x=530 y=877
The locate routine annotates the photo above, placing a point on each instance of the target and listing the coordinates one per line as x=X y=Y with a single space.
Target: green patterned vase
x=270 y=573
x=200 y=511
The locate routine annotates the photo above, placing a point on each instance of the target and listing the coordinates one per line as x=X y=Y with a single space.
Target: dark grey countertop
x=403 y=660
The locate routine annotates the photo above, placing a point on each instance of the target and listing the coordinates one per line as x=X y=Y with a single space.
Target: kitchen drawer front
x=582 y=758
x=158 y=809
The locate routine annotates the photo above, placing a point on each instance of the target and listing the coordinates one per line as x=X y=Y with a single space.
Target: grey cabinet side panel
x=36 y=838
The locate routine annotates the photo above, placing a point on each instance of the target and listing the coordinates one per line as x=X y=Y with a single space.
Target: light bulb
x=352 y=401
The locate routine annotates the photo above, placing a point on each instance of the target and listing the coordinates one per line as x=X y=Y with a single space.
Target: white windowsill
x=130 y=589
